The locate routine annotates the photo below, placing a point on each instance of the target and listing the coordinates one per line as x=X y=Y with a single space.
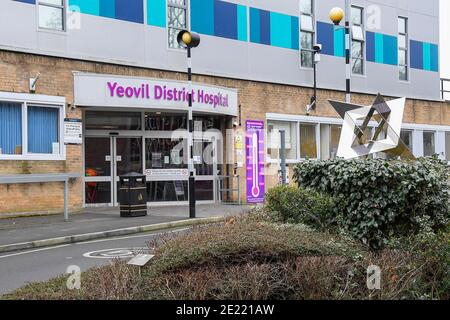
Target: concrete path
x=95 y=220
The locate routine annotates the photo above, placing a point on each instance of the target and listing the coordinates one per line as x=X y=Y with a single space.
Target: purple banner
x=254 y=143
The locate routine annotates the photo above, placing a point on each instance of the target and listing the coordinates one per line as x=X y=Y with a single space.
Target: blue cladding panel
x=10 y=128
x=255 y=26
x=416 y=54
x=27 y=1
x=225 y=20
x=156 y=13
x=130 y=10
x=264 y=17
x=294 y=33
x=325 y=37
x=202 y=16
x=43 y=129
x=370 y=46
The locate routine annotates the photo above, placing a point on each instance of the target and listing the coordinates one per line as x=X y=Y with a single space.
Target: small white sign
x=140 y=260
x=73 y=131
x=166 y=172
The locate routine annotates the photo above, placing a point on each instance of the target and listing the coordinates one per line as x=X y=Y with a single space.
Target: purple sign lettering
x=254 y=142
x=166 y=93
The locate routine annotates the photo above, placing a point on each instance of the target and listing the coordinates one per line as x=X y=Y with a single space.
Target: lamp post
x=316 y=59
x=189 y=40
x=336 y=16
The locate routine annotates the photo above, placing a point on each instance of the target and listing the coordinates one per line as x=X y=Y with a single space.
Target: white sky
x=445 y=39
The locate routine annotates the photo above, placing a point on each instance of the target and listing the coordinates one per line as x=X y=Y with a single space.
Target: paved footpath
x=93 y=220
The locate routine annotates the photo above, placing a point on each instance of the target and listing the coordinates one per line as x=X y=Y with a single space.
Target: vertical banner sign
x=255 y=161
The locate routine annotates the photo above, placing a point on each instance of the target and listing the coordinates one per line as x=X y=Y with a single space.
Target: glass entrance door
x=106 y=158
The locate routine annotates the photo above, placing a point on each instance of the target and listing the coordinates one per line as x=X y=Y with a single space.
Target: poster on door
x=254 y=143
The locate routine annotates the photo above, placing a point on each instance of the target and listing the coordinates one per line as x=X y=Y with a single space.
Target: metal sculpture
x=356 y=141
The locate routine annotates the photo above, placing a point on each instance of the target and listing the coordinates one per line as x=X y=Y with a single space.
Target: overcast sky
x=445 y=39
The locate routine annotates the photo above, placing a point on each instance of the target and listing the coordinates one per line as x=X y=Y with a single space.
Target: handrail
x=221 y=188
x=43 y=178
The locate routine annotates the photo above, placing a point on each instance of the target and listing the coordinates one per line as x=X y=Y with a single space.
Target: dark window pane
x=96 y=152
x=98 y=192
x=167 y=191
x=204 y=190
x=403 y=73
x=358 y=66
x=428 y=144
x=109 y=120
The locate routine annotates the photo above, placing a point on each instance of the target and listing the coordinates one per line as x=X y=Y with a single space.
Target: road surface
x=22 y=267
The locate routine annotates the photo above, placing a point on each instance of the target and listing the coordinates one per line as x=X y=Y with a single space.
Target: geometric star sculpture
x=357 y=141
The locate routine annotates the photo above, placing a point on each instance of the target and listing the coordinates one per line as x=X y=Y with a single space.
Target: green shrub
x=380 y=199
x=294 y=205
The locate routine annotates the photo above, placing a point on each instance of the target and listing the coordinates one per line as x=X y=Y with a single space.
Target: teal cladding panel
x=202 y=16
x=242 y=22
x=156 y=13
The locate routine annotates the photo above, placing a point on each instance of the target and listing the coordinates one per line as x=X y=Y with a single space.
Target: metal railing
x=43 y=178
x=445 y=89
x=226 y=186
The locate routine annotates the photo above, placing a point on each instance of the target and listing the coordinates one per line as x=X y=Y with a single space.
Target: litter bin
x=133 y=195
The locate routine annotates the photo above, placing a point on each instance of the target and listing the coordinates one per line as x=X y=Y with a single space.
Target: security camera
x=235 y=124
x=317 y=48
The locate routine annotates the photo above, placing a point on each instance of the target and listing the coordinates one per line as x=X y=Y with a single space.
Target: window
x=308 y=141
x=357 y=47
x=406 y=136
x=43 y=130
x=51 y=14
x=447 y=146
x=10 y=128
x=330 y=136
x=429 y=148
x=274 y=142
x=306 y=33
x=403 y=48
x=31 y=131
x=177 y=20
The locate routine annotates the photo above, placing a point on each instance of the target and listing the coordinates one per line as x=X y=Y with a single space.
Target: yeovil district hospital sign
x=96 y=90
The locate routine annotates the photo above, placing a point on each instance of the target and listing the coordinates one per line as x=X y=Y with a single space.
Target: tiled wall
x=275 y=29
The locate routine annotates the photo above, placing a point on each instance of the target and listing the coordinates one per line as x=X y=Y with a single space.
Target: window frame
x=361 y=42
x=309 y=51
x=186 y=8
x=404 y=49
x=296 y=132
x=63 y=7
x=26 y=100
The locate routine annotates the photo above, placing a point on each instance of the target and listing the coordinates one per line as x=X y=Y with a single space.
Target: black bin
x=133 y=195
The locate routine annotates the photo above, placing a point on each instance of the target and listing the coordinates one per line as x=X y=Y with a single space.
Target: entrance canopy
x=100 y=90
